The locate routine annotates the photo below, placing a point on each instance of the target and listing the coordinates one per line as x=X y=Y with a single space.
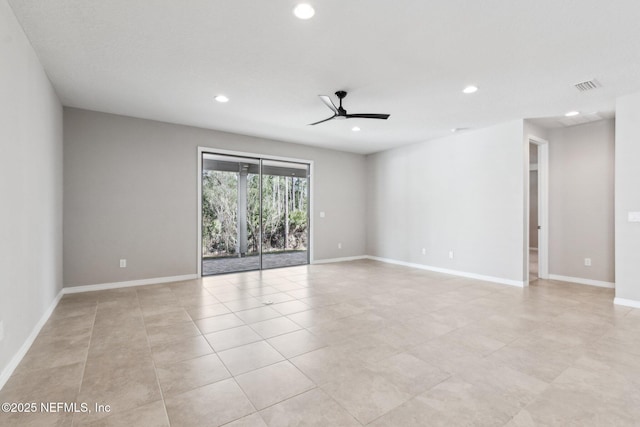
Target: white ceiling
x=167 y=59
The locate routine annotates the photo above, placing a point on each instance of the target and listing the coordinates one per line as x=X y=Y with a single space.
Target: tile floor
x=349 y=344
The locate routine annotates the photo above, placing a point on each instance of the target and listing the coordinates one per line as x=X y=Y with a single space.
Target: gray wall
x=627 y=197
x=581 y=190
x=30 y=189
x=131 y=192
x=463 y=193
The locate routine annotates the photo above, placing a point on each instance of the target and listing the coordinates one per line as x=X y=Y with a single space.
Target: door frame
x=212 y=150
x=543 y=207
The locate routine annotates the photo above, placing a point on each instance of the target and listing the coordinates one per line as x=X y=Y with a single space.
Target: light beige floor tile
x=326 y=364
x=253 y=420
x=234 y=337
x=122 y=388
x=218 y=323
x=365 y=394
x=176 y=351
x=274 y=327
x=170 y=333
x=313 y=408
x=290 y=307
x=261 y=291
x=275 y=298
x=212 y=405
x=249 y=357
x=166 y=319
x=153 y=414
x=450 y=403
x=272 y=384
x=50 y=352
x=296 y=343
x=182 y=376
x=444 y=350
x=231 y=296
x=259 y=314
x=203 y=311
x=243 y=304
x=408 y=373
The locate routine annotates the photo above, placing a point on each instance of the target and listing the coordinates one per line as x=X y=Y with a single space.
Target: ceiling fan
x=340 y=113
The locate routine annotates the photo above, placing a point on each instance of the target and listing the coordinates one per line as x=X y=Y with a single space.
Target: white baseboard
x=343 y=259
x=581 y=281
x=127 y=284
x=627 y=302
x=500 y=280
x=17 y=358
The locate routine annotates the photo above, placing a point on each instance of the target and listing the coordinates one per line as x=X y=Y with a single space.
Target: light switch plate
x=634 y=216
x=321 y=214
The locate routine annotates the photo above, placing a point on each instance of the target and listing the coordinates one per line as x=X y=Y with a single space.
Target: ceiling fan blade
x=329 y=103
x=368 y=116
x=322 y=121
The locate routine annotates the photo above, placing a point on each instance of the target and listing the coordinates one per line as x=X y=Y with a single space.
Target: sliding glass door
x=254 y=214
x=285 y=214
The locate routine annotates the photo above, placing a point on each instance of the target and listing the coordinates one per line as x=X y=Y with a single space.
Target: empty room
x=336 y=213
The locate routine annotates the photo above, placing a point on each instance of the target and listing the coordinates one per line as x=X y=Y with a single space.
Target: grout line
x=155 y=368
x=86 y=359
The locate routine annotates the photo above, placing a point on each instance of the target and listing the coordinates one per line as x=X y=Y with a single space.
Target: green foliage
x=284 y=213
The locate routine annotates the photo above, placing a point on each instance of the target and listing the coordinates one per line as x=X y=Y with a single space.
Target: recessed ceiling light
x=304 y=11
x=572 y=113
x=470 y=89
x=221 y=98
x=355 y=129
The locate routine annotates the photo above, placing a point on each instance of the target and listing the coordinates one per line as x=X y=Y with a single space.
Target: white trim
x=127 y=284
x=500 y=280
x=17 y=358
x=581 y=281
x=212 y=150
x=343 y=259
x=627 y=302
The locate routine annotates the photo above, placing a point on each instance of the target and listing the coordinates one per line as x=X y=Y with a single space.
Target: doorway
x=537 y=253
x=254 y=213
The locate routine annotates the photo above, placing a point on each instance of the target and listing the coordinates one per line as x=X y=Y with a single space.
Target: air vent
x=587 y=85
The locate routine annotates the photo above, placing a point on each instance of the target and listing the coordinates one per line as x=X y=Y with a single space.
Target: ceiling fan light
x=221 y=98
x=470 y=89
x=304 y=11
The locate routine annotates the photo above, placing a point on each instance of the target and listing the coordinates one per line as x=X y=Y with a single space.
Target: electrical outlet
x=424 y=251
x=339 y=245
x=123 y=263
x=1 y=330
x=450 y=254
x=587 y=262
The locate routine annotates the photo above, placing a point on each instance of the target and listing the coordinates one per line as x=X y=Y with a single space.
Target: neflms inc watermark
x=54 y=407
